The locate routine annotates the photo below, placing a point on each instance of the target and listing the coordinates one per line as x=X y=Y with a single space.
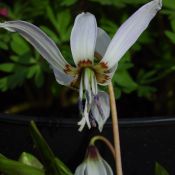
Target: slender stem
x=118 y=162
x=105 y=140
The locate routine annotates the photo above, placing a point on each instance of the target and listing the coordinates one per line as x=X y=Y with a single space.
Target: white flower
x=93 y=164
x=87 y=43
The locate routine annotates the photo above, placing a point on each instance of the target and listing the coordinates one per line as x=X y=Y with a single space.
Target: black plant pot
x=143 y=141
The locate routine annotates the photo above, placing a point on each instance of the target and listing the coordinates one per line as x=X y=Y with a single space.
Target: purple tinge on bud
x=93 y=164
x=92 y=152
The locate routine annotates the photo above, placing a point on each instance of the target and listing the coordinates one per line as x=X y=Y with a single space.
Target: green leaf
x=145 y=91
x=3 y=45
x=118 y=3
x=64 y=170
x=160 y=170
x=68 y=2
x=7 y=67
x=23 y=59
x=13 y=80
x=63 y=25
x=171 y=36
x=52 y=164
x=123 y=79
x=3 y=84
x=109 y=26
x=30 y=160
x=46 y=152
x=39 y=77
x=11 y=167
x=19 y=45
x=169 y=4
x=173 y=24
x=51 y=34
x=2 y=156
x=51 y=16
x=61 y=22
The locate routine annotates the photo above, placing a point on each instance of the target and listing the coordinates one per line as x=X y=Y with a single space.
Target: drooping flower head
x=87 y=43
x=93 y=164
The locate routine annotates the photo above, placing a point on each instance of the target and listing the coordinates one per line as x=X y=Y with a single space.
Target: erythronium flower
x=93 y=164
x=87 y=42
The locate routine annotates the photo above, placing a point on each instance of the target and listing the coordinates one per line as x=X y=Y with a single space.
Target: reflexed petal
x=129 y=32
x=83 y=37
x=42 y=43
x=102 y=42
x=62 y=78
x=100 y=109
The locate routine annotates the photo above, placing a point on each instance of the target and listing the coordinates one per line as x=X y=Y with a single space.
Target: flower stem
x=105 y=140
x=118 y=162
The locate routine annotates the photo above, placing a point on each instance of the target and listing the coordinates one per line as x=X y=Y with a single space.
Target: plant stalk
x=105 y=140
x=115 y=127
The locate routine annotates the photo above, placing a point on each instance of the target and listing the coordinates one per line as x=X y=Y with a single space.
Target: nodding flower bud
x=93 y=164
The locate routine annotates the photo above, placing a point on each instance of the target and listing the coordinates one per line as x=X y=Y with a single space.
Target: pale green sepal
x=11 y=167
x=30 y=160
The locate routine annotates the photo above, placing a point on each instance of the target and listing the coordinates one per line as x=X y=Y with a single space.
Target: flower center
x=100 y=71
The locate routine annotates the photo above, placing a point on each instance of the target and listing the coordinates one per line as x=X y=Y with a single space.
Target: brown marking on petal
x=104 y=65
x=102 y=78
x=76 y=82
x=70 y=70
x=100 y=71
x=85 y=63
x=98 y=56
x=67 y=68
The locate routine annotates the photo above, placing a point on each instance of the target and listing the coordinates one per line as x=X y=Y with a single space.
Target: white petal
x=101 y=109
x=62 y=78
x=83 y=37
x=129 y=32
x=107 y=168
x=95 y=167
x=42 y=43
x=80 y=169
x=102 y=42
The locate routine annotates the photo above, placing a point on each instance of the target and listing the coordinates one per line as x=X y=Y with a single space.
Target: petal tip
x=159 y=3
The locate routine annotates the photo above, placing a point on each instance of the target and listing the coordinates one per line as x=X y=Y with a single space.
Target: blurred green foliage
x=28 y=164
x=149 y=61
x=160 y=170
